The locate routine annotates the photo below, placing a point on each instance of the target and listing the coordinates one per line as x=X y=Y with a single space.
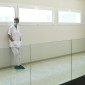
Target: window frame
x=9 y=5
x=69 y=23
x=40 y=8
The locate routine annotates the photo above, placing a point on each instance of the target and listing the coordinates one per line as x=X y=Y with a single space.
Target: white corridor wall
x=42 y=33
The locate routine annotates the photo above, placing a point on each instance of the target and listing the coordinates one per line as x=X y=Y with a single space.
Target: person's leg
x=17 y=57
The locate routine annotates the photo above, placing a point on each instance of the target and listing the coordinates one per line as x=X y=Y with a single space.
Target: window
x=69 y=17
x=7 y=14
x=35 y=15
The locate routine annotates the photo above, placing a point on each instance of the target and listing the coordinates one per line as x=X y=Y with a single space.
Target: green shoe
x=17 y=67
x=21 y=67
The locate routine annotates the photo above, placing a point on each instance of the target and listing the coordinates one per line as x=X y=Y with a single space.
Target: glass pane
x=51 y=63
x=35 y=15
x=69 y=17
x=78 y=58
x=7 y=14
x=8 y=74
x=5 y=73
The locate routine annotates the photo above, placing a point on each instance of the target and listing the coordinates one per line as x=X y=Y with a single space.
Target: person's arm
x=10 y=34
x=10 y=37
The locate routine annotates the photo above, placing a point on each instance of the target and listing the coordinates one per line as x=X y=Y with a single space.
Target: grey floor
x=48 y=72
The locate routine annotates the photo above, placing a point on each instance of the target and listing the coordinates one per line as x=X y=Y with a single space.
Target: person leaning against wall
x=14 y=36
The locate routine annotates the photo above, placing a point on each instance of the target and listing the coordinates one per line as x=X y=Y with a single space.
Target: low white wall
x=78 y=45
x=7 y=59
x=42 y=51
x=50 y=50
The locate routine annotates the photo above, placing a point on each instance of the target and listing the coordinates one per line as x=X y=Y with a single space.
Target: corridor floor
x=48 y=72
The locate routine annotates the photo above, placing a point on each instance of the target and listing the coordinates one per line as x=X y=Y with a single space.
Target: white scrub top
x=15 y=33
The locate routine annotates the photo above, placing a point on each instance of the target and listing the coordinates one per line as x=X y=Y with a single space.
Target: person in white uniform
x=14 y=36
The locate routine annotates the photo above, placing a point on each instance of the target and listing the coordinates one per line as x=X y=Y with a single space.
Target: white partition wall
x=49 y=50
x=54 y=71
x=42 y=51
x=78 y=59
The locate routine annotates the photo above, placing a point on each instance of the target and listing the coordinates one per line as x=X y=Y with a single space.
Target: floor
x=48 y=72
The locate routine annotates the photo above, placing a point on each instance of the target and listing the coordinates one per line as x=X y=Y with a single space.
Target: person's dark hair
x=16 y=19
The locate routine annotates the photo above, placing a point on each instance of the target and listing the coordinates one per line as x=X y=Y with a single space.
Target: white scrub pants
x=16 y=53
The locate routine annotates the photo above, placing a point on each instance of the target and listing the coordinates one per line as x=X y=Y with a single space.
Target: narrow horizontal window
x=35 y=15
x=7 y=14
x=69 y=17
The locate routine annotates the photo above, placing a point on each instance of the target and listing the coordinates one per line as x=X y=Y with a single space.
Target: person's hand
x=12 y=40
x=15 y=43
